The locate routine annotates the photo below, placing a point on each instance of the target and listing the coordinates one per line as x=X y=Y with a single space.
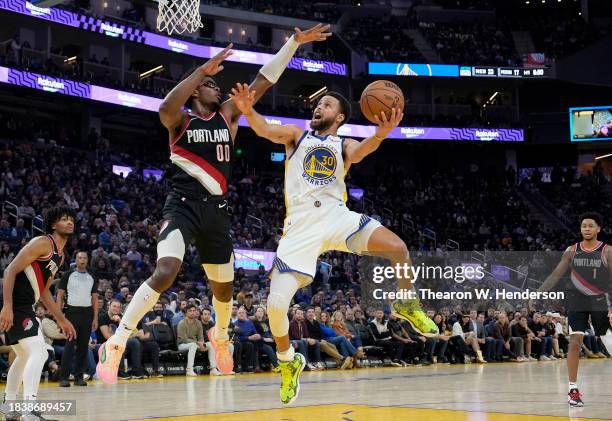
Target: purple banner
x=128 y=33
x=128 y=99
x=48 y=83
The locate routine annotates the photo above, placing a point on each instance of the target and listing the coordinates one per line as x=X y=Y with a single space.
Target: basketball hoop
x=179 y=16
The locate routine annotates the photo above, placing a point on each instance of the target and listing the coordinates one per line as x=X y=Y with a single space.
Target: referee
x=79 y=289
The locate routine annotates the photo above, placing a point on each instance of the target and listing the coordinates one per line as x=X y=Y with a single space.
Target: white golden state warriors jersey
x=315 y=171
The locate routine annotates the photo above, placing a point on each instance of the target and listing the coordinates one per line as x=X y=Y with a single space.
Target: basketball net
x=179 y=16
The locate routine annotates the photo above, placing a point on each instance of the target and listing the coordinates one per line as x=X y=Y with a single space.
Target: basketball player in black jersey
x=26 y=280
x=201 y=151
x=588 y=299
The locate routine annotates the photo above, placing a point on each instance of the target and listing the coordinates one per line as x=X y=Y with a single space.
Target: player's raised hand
x=318 y=32
x=6 y=319
x=385 y=125
x=243 y=97
x=214 y=66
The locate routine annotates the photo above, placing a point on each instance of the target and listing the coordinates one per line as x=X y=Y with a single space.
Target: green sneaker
x=410 y=310
x=290 y=382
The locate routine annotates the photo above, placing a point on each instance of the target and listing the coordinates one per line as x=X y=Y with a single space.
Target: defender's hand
x=243 y=98
x=316 y=33
x=214 y=66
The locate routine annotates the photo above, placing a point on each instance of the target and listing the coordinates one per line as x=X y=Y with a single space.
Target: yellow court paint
x=344 y=412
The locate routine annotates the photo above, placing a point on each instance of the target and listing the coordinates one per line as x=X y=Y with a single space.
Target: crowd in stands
x=117 y=225
x=585 y=190
x=310 y=10
x=563 y=36
x=330 y=329
x=467 y=4
x=383 y=39
x=472 y=43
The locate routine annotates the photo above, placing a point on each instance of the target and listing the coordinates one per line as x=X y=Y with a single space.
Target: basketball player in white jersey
x=201 y=142
x=317 y=217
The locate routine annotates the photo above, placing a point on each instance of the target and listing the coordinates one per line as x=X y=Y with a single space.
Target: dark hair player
x=26 y=280
x=201 y=151
x=588 y=301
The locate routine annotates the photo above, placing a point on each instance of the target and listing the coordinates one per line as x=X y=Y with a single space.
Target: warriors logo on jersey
x=320 y=165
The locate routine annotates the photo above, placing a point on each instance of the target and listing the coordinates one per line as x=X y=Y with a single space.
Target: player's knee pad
x=220 y=273
x=172 y=245
x=36 y=352
x=278 y=305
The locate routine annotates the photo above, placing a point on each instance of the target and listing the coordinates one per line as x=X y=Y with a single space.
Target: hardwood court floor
x=495 y=392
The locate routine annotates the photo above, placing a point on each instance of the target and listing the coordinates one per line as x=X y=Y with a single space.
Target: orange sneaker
x=223 y=356
x=109 y=358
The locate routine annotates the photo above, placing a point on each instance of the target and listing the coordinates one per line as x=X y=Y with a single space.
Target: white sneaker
x=552 y=358
x=544 y=358
x=530 y=358
x=86 y=376
x=311 y=366
x=320 y=365
x=345 y=364
x=215 y=372
x=190 y=373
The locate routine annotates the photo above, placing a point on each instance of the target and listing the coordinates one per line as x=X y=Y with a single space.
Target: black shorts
x=206 y=220
x=579 y=321
x=25 y=325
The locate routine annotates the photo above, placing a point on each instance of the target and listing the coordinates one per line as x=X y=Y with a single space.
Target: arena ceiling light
x=151 y=72
x=602 y=156
x=70 y=59
x=317 y=94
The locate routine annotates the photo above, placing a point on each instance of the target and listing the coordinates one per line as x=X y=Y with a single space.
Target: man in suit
x=485 y=343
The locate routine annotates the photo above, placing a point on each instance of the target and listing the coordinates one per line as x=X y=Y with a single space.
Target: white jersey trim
x=198 y=173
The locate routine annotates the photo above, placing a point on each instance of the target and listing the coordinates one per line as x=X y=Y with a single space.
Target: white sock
x=286 y=355
x=144 y=299
x=223 y=314
x=573 y=386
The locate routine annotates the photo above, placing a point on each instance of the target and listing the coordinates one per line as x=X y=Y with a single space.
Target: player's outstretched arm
x=244 y=98
x=36 y=248
x=270 y=73
x=355 y=151
x=559 y=271
x=171 y=109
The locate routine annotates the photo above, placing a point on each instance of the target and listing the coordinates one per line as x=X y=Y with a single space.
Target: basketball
x=380 y=96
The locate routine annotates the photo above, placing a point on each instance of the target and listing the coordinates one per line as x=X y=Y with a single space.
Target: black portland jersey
x=202 y=156
x=32 y=281
x=589 y=269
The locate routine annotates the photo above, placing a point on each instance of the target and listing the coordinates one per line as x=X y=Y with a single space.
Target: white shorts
x=310 y=231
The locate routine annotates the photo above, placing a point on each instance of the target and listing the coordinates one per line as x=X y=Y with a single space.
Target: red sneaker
x=223 y=356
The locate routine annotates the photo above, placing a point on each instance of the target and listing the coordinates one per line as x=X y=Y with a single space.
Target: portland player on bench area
x=317 y=217
x=589 y=300
x=201 y=151
x=26 y=280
